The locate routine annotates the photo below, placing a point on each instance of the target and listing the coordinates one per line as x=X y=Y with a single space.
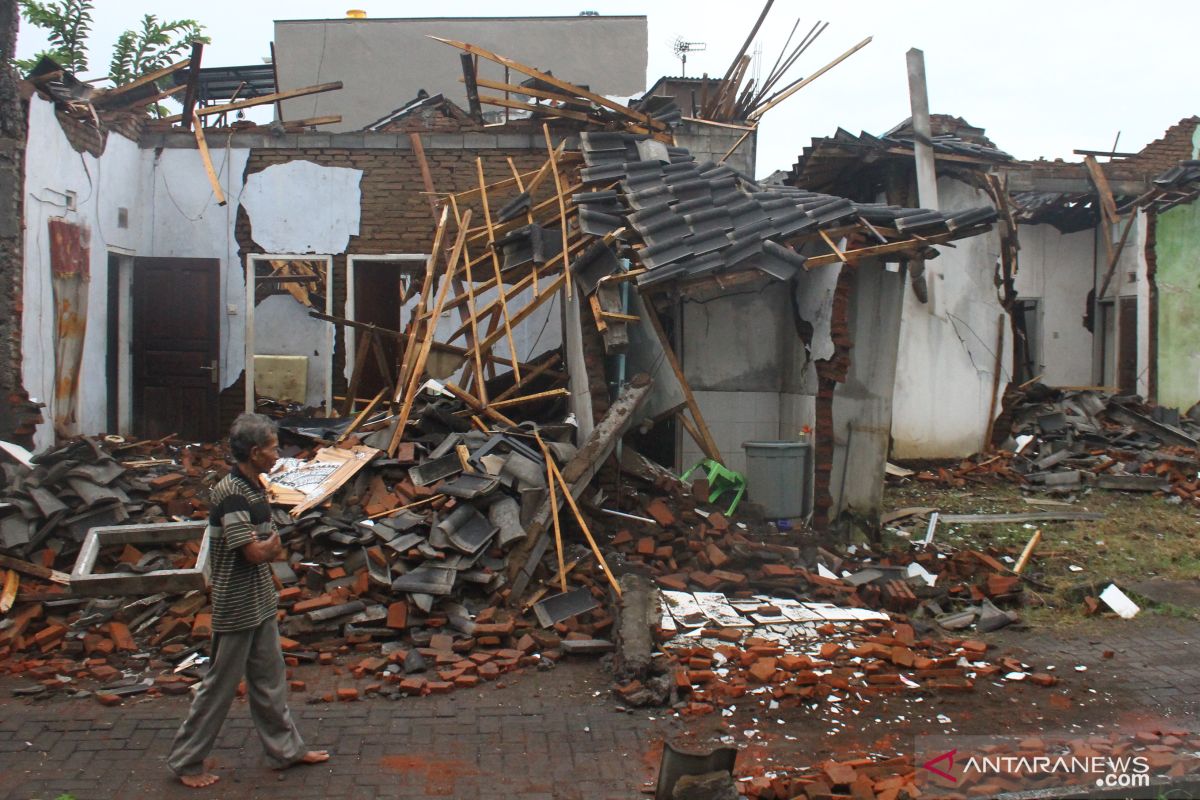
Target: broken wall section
x=84 y=191
x=947 y=359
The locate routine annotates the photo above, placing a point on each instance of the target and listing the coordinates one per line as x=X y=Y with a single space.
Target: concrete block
x=516 y=141
x=386 y=141
x=84 y=583
x=444 y=141
x=479 y=141
x=312 y=140
x=350 y=140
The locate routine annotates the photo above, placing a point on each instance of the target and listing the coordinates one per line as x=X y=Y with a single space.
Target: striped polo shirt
x=243 y=594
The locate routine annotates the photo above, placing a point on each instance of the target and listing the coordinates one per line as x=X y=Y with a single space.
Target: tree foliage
x=157 y=44
x=68 y=23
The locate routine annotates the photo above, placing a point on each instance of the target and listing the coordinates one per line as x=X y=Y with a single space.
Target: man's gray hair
x=249 y=431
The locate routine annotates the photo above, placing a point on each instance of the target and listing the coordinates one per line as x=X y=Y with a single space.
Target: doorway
x=377 y=286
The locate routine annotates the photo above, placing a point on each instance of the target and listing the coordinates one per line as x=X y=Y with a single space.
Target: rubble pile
x=1064 y=441
x=878 y=778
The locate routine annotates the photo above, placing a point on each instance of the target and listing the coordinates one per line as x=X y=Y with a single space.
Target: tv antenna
x=682 y=49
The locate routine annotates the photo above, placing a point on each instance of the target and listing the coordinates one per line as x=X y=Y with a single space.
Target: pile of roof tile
x=1063 y=441
x=402 y=572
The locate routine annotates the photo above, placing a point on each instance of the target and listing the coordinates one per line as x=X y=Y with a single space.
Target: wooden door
x=176 y=333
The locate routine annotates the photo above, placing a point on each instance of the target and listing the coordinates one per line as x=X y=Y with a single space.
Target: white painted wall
x=1056 y=269
x=947 y=356
x=53 y=167
x=181 y=218
x=282 y=327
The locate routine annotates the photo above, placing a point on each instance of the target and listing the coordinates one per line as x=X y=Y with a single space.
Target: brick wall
x=395 y=215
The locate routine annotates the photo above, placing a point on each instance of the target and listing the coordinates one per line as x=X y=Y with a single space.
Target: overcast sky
x=1042 y=77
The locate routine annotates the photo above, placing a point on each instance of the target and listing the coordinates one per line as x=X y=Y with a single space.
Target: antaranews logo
x=984 y=766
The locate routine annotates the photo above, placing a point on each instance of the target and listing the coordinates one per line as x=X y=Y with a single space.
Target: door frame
x=119 y=348
x=349 y=340
x=252 y=260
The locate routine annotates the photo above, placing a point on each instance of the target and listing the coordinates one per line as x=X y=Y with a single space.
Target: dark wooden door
x=176 y=333
x=1127 y=347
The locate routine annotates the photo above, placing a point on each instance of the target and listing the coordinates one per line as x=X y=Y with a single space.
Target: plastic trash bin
x=778 y=477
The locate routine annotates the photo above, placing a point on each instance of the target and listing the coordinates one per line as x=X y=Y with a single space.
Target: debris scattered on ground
x=1058 y=442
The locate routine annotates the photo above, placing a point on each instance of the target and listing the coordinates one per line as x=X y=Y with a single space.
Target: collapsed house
x=1066 y=290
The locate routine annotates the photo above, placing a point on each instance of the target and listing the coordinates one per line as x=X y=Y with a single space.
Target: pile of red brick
x=845 y=664
x=862 y=779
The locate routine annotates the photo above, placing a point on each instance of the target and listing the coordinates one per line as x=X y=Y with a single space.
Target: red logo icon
x=948 y=757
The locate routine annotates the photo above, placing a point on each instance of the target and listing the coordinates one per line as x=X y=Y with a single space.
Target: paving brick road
x=545 y=738
x=559 y=736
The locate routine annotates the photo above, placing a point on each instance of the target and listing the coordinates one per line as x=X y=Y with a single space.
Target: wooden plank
x=153 y=99
x=418 y=366
x=362 y=415
x=551 y=484
x=833 y=246
x=258 y=101
x=529 y=376
x=598 y=313
x=475 y=404
x=570 y=498
x=189 y=99
x=851 y=256
x=426 y=176
x=202 y=146
x=417 y=321
x=710 y=446
x=579 y=471
x=1107 y=203
x=312 y=122
x=562 y=205
x=472 y=315
x=149 y=77
x=645 y=119
x=738 y=143
x=791 y=89
x=35 y=570
x=360 y=362
x=470 y=78
x=550 y=111
x=491 y=243
x=617 y=316
x=529 y=91
x=529 y=398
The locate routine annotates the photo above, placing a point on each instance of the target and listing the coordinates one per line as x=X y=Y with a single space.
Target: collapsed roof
x=698 y=219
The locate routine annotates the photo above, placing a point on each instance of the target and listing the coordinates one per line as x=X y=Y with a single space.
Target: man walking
x=245 y=641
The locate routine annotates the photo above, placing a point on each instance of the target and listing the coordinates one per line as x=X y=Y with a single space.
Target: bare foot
x=199 y=781
x=311 y=757
x=314 y=757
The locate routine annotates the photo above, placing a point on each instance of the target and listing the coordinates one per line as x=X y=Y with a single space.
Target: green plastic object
x=720 y=480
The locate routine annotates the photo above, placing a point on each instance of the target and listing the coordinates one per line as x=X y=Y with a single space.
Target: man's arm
x=260 y=552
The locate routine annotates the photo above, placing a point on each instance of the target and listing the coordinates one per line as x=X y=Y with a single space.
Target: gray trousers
x=254 y=653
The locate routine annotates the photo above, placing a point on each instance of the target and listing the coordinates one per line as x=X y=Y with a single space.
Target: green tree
x=157 y=44
x=68 y=24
